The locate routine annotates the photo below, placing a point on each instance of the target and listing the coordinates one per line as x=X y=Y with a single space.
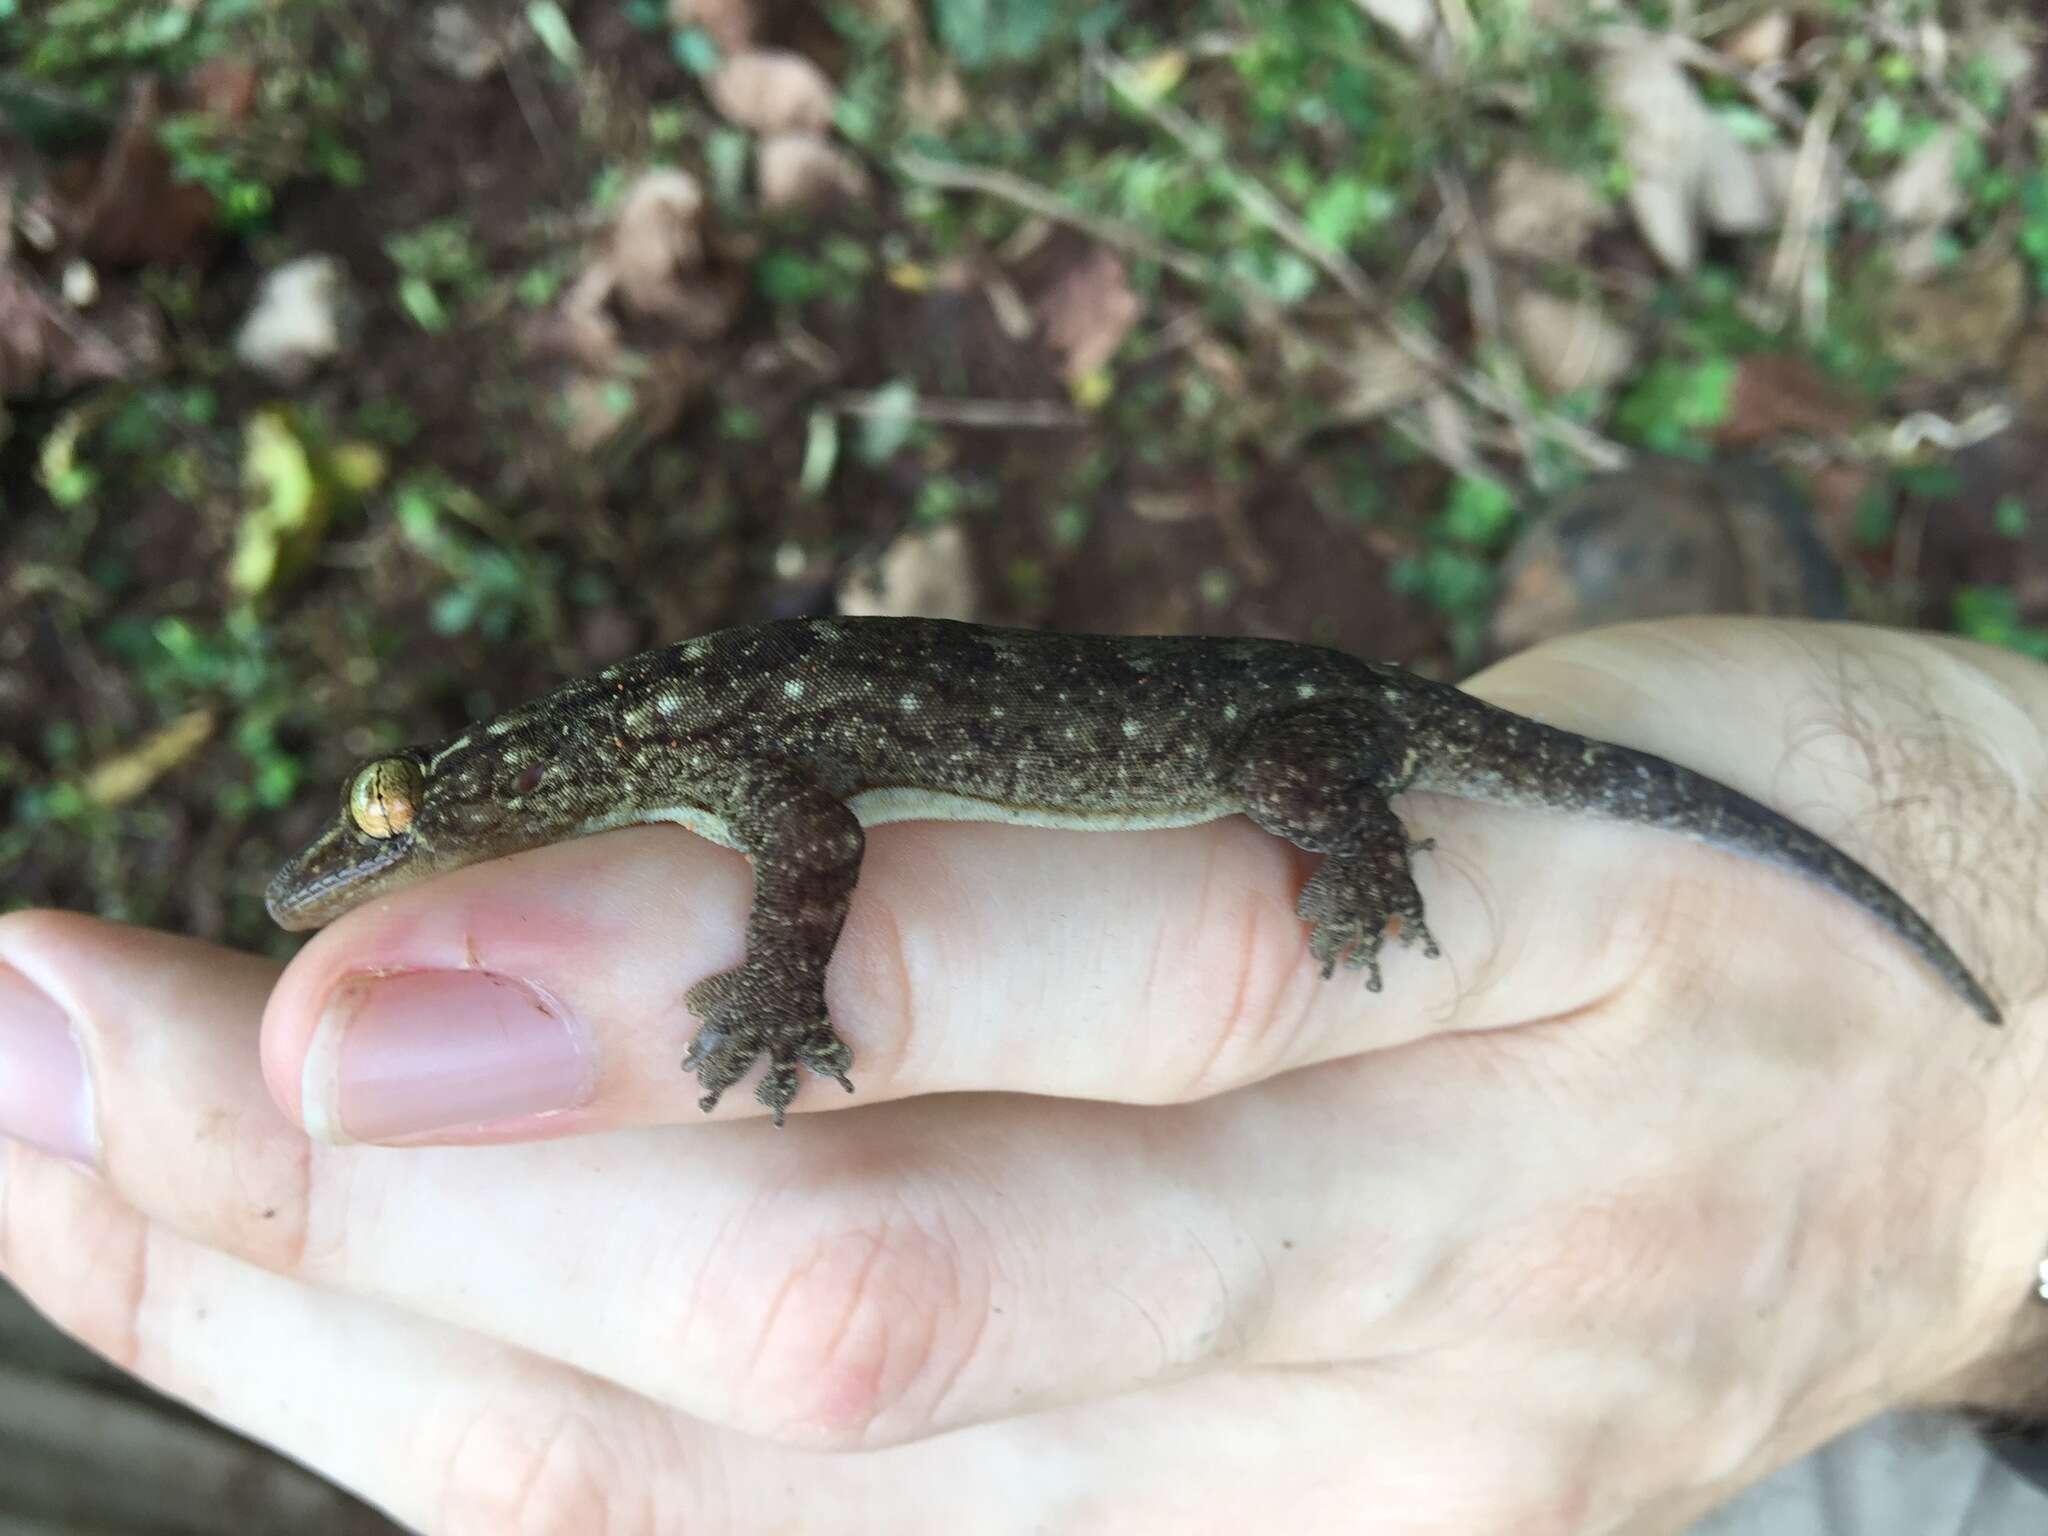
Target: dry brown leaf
x=1779 y=164
x=1569 y=343
x=1683 y=160
x=461 y=46
x=1088 y=312
x=1923 y=192
x=659 y=235
x=1778 y=393
x=795 y=172
x=1541 y=212
x=935 y=98
x=44 y=345
x=1762 y=41
x=928 y=574
x=1412 y=21
x=771 y=90
x=1380 y=376
x=729 y=23
x=1734 y=193
x=294 y=324
x=131 y=210
x=662 y=262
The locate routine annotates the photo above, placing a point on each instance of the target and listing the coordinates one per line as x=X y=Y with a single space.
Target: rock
x=295 y=323
x=800 y=172
x=1661 y=539
x=770 y=90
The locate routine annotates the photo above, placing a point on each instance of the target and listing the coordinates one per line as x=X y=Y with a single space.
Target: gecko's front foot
x=749 y=1012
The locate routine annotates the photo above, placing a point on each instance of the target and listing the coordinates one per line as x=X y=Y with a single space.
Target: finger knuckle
x=846 y=1337
x=518 y=1472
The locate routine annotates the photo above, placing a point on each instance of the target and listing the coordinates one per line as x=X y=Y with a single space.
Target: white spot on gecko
x=1230 y=711
x=792 y=689
x=1132 y=728
x=909 y=703
x=1304 y=690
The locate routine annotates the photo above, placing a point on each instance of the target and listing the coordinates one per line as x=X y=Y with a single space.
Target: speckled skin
x=785 y=740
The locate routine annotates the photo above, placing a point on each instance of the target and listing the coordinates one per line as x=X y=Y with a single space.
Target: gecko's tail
x=1507 y=759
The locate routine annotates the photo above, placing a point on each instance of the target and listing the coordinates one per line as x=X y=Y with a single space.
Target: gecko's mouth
x=338 y=870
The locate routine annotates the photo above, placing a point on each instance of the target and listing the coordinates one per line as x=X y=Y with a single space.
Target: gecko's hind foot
x=1351 y=901
x=746 y=1015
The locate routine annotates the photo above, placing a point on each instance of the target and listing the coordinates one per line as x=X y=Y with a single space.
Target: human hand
x=1673 y=1166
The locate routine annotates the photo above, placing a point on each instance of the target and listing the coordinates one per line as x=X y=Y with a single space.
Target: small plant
x=439 y=271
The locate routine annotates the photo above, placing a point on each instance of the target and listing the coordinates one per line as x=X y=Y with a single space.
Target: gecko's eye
x=529 y=778
x=385 y=797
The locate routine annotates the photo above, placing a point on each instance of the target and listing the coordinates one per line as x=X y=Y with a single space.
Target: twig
x=1798 y=245
x=533 y=107
x=1040 y=415
x=1758 y=85
x=1033 y=198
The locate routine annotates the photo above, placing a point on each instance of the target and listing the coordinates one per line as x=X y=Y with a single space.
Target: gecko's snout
x=337 y=870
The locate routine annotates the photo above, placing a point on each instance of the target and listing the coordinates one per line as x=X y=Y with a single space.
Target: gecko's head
x=422 y=811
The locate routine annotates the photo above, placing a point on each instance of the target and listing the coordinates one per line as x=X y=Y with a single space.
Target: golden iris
x=385 y=797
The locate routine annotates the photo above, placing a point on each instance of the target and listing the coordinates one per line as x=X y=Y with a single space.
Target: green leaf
x=821 y=451
x=1992 y=615
x=419 y=300
x=887 y=425
x=788 y=277
x=1479 y=511
x=551 y=25
x=980 y=33
x=1675 y=402
x=1343 y=210
x=1884 y=125
x=694 y=50
x=1875 y=517
x=2010 y=517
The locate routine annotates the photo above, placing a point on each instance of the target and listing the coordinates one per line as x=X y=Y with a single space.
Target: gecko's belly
x=877 y=807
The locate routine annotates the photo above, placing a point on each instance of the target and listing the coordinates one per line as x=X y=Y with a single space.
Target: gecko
x=787 y=740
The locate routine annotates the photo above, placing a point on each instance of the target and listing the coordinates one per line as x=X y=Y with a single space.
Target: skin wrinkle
x=980 y=1319
x=1267 y=1002
x=862 y=1318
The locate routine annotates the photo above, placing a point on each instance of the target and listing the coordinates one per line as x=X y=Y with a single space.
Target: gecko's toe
x=778 y=1088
